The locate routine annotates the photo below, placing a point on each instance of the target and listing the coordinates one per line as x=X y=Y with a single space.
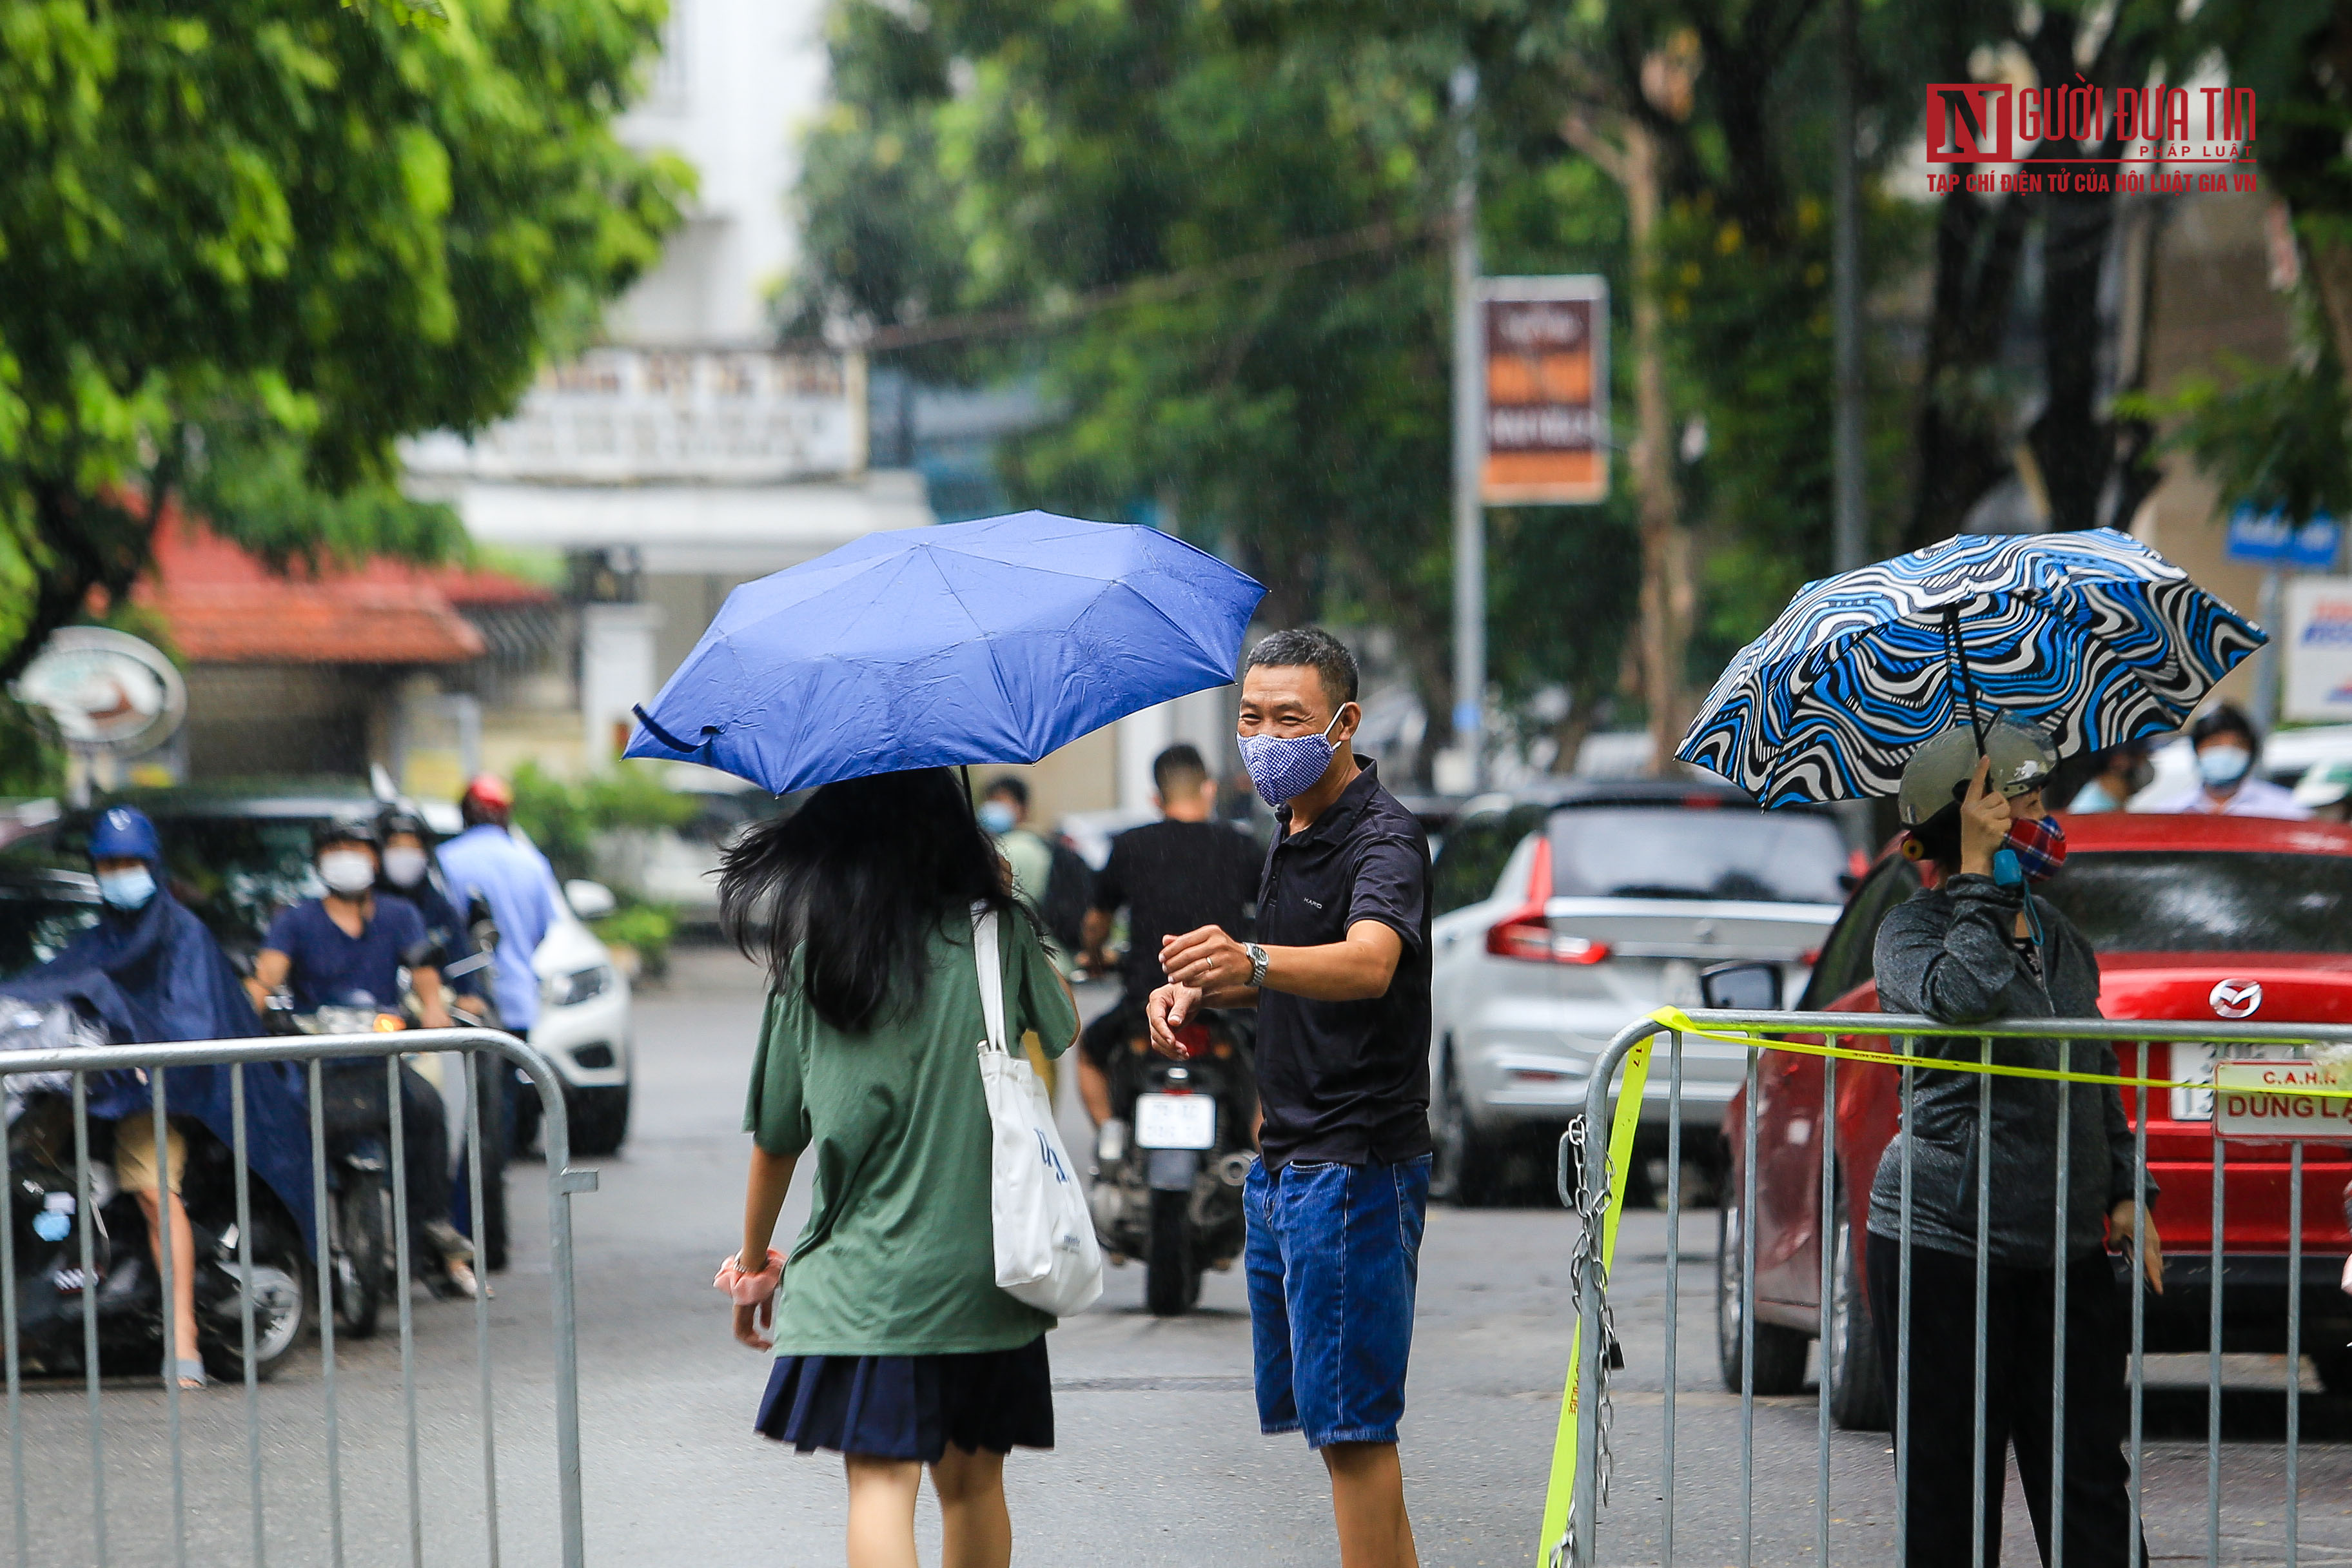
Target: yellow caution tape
x=1562 y=1490
x=1560 y=1493
x=1680 y=1022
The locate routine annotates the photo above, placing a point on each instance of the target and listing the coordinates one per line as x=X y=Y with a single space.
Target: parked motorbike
x=1170 y=1162
x=355 y=1106
x=45 y=1206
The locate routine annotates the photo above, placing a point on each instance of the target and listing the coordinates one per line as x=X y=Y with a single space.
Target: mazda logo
x=2237 y=998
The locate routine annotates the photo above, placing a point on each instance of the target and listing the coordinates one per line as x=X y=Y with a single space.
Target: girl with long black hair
x=894 y=1347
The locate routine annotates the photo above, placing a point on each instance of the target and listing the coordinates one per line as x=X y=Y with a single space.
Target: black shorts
x=911 y=1407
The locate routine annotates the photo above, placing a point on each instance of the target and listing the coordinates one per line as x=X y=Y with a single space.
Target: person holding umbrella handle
x=1977 y=942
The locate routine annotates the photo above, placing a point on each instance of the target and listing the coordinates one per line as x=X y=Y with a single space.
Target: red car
x=2189 y=915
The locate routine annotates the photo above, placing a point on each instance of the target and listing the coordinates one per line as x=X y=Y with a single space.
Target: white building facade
x=685 y=456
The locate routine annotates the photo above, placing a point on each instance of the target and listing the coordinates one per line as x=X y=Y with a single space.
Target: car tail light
x=1526 y=935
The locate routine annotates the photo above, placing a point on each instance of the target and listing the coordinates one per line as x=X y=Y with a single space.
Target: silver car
x=1562 y=918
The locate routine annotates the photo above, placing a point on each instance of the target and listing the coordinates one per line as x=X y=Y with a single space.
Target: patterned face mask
x=1282 y=766
x=2038 y=847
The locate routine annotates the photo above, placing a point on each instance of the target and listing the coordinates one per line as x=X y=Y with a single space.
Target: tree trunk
x=1960 y=447
x=1568 y=736
x=1668 y=597
x=2330 y=256
x=2091 y=468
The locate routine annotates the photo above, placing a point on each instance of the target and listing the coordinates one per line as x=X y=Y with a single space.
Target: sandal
x=190 y=1370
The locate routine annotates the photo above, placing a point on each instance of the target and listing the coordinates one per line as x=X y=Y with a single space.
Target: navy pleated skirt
x=911 y=1407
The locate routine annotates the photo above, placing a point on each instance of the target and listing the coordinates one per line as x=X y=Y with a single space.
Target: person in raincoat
x=170 y=982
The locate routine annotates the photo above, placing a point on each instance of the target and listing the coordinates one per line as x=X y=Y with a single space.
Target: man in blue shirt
x=353 y=943
x=489 y=860
x=328 y=951
x=515 y=880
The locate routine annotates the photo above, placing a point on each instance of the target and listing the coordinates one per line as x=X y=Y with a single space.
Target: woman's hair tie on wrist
x=750 y=1289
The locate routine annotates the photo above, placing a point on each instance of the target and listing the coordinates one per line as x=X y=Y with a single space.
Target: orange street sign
x=1546 y=345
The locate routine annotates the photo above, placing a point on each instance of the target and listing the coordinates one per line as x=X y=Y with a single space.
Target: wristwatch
x=1257 y=962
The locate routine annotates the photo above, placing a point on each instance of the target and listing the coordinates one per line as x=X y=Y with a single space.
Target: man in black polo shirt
x=1341 y=986
x=1185 y=871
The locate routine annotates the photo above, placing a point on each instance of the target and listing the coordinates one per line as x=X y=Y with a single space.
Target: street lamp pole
x=1469 y=516
x=1849 y=536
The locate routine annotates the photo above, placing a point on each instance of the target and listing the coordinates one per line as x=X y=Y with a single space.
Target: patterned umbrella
x=2090 y=636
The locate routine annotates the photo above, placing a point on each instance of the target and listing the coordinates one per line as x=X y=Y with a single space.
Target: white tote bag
x=1046 y=1254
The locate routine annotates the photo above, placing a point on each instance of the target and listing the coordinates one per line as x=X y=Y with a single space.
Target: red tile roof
x=224 y=606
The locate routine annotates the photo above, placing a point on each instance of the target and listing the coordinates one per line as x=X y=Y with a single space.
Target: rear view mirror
x=589 y=900
x=1742 y=987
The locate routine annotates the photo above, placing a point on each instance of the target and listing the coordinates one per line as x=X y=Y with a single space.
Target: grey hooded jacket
x=1947 y=952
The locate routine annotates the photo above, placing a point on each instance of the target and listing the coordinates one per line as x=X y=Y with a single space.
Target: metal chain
x=1592 y=1216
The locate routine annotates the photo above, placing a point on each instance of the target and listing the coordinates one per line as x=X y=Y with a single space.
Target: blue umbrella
x=994 y=641
x=2090 y=636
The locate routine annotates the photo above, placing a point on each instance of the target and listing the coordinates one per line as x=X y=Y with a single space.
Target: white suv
x=585 y=1019
x=1563 y=917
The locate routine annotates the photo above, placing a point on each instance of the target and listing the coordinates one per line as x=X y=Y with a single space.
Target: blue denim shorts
x=1334 y=1256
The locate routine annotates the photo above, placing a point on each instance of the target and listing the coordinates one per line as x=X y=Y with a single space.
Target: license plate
x=1175 y=1122
x=2272 y=1100
x=2193 y=1063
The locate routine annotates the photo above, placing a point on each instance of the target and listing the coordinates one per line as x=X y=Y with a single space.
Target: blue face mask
x=998 y=818
x=2222 y=766
x=1283 y=767
x=128 y=890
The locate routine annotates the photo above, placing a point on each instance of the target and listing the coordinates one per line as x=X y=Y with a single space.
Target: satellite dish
x=104 y=690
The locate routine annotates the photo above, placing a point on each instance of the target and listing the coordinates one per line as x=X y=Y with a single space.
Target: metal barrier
x=474 y=1045
x=1591 y=1187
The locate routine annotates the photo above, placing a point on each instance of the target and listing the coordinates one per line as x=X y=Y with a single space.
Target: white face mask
x=405 y=868
x=347 y=871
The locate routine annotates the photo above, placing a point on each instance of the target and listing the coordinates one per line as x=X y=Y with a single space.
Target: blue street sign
x=2270 y=539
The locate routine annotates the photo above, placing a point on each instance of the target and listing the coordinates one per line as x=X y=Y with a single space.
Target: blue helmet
x=123 y=833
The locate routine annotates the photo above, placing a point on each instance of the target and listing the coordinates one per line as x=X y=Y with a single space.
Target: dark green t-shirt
x=899 y=1258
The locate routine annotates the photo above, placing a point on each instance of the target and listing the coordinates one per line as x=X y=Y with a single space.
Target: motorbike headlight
x=580 y=985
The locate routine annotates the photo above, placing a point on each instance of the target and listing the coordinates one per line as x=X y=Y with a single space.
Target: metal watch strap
x=1257 y=962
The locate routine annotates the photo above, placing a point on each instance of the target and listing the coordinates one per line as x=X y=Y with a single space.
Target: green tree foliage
x=563 y=818
x=981 y=160
x=2298 y=56
x=2279 y=437
x=1995 y=256
x=1278 y=180
x=2272 y=438
x=246 y=244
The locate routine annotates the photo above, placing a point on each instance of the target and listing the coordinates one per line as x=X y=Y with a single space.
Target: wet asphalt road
x=1159 y=1461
